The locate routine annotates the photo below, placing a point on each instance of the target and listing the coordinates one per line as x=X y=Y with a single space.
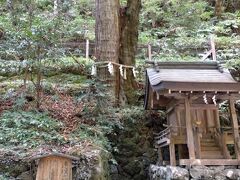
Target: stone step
x=207 y=140
x=210 y=148
x=211 y=155
x=209 y=144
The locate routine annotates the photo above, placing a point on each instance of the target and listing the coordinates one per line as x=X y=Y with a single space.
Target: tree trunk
x=116 y=40
x=236 y=4
x=218 y=8
x=107 y=30
x=129 y=23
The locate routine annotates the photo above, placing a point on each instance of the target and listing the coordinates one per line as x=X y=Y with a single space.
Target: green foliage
x=29 y=129
x=81 y=28
x=174 y=13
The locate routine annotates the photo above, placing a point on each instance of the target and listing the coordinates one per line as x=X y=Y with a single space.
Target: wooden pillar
x=217 y=119
x=172 y=154
x=160 y=156
x=189 y=128
x=234 y=127
x=209 y=119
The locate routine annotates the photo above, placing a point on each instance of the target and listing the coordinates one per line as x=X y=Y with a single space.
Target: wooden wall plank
x=54 y=168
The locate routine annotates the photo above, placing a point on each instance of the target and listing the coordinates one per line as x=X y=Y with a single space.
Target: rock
x=139 y=176
x=177 y=173
x=157 y=172
x=3 y=177
x=218 y=174
x=216 y=168
x=232 y=173
x=202 y=172
x=13 y=168
x=220 y=177
x=133 y=167
x=113 y=169
x=25 y=176
x=118 y=177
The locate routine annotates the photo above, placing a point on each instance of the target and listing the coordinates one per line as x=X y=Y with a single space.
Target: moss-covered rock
x=135 y=144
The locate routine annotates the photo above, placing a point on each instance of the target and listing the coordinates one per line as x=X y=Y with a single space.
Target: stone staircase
x=210 y=148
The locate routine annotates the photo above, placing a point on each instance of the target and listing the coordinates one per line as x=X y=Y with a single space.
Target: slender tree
x=218 y=8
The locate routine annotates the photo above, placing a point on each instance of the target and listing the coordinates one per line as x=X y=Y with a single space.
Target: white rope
x=125 y=73
x=110 y=65
x=134 y=72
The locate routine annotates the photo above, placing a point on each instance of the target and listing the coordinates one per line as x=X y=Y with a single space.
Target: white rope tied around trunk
x=94 y=70
x=121 y=70
x=110 y=68
x=110 y=65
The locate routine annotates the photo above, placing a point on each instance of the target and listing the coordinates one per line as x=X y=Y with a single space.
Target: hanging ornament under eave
x=110 y=68
x=205 y=99
x=94 y=70
x=214 y=100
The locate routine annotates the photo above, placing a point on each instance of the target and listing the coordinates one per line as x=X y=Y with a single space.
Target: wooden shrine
x=54 y=166
x=191 y=92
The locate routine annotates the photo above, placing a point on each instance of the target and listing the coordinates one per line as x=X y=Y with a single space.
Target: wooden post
x=190 y=138
x=149 y=52
x=197 y=144
x=213 y=47
x=217 y=119
x=160 y=156
x=87 y=48
x=172 y=154
x=234 y=127
x=222 y=139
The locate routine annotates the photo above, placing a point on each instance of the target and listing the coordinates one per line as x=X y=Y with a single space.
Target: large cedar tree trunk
x=129 y=23
x=107 y=30
x=116 y=40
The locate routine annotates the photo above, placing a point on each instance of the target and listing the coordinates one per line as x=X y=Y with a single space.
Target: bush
x=29 y=129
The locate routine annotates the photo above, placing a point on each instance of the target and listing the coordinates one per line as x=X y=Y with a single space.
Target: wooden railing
x=166 y=133
x=163 y=134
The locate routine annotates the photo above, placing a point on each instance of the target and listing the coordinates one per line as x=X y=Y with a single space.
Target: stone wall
x=194 y=173
x=93 y=165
